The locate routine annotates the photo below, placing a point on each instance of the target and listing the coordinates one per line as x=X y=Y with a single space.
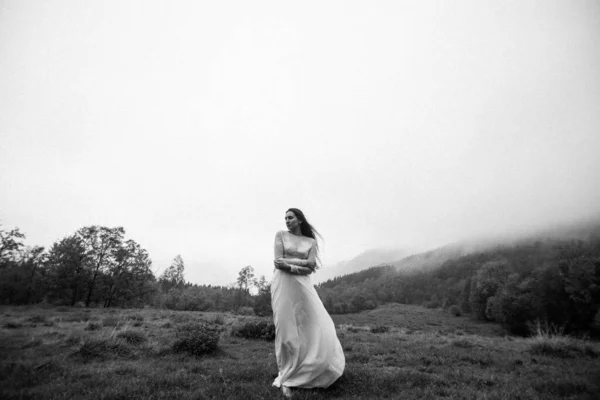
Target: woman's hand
x=279 y=263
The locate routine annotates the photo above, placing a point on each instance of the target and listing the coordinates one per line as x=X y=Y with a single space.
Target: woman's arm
x=310 y=262
x=278 y=246
x=284 y=264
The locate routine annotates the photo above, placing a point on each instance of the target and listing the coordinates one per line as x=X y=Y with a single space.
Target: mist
x=392 y=124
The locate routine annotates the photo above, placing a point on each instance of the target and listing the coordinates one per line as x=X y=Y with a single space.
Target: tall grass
x=550 y=340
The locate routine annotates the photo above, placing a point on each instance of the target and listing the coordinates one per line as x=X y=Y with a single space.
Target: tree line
x=555 y=281
x=98 y=266
x=550 y=281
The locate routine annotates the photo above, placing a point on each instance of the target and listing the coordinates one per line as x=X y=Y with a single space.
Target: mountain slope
x=367 y=259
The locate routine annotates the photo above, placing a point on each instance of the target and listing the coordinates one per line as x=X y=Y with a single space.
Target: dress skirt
x=309 y=354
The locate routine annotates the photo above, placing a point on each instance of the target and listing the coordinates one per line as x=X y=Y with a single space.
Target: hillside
x=367 y=259
x=553 y=276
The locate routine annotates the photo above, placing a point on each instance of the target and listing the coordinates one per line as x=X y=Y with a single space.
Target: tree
x=463 y=301
x=129 y=274
x=513 y=305
x=488 y=279
x=262 y=301
x=100 y=243
x=581 y=280
x=31 y=263
x=245 y=281
x=17 y=267
x=245 y=278
x=66 y=267
x=10 y=244
x=173 y=277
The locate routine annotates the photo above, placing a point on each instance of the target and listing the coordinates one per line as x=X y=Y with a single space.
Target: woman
x=309 y=354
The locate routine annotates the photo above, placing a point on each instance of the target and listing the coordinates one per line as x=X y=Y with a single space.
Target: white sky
x=195 y=125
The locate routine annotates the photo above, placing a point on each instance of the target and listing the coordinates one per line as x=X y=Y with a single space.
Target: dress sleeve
x=312 y=255
x=279 y=245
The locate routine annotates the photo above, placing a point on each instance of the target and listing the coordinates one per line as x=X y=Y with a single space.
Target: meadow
x=395 y=351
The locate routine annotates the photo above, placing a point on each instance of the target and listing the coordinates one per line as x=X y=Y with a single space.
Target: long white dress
x=309 y=354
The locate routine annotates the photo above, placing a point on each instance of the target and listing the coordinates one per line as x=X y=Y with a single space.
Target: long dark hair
x=308 y=230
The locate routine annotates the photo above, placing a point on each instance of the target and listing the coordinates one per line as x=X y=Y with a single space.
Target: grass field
x=397 y=352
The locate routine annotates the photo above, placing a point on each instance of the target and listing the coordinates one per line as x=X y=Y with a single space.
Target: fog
x=195 y=126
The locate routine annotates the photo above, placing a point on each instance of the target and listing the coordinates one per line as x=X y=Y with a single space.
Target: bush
x=562 y=347
x=255 y=329
x=137 y=317
x=455 y=311
x=464 y=343
x=110 y=321
x=380 y=329
x=74 y=338
x=196 y=338
x=132 y=337
x=37 y=319
x=431 y=304
x=12 y=325
x=245 y=311
x=93 y=326
x=101 y=349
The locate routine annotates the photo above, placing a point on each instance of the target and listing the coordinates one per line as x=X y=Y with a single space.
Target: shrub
x=562 y=347
x=12 y=325
x=431 y=304
x=45 y=304
x=196 y=338
x=245 y=311
x=455 y=311
x=136 y=317
x=93 y=326
x=34 y=342
x=103 y=348
x=37 y=319
x=352 y=329
x=110 y=321
x=255 y=329
x=464 y=343
x=380 y=329
x=76 y=317
x=74 y=338
x=132 y=337
x=219 y=319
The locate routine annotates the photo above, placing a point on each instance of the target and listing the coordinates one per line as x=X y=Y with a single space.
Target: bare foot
x=287 y=392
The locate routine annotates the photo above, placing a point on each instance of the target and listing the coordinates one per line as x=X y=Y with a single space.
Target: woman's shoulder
x=288 y=233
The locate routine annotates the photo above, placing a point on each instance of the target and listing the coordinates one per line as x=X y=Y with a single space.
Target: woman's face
x=291 y=221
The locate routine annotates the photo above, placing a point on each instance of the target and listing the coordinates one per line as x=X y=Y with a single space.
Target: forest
x=549 y=281
x=554 y=281
x=98 y=266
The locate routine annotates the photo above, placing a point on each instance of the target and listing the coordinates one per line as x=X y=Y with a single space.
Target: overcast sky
x=196 y=124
